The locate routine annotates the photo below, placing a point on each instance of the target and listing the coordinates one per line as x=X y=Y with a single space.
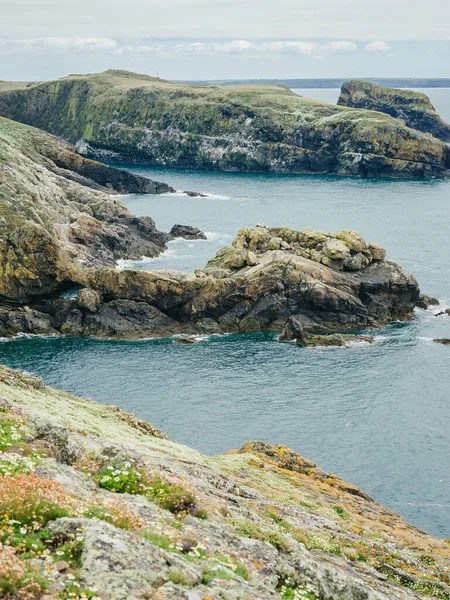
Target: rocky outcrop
x=294 y=332
x=136 y=118
x=57 y=214
x=327 y=282
x=187 y=232
x=413 y=108
x=150 y=518
x=427 y=301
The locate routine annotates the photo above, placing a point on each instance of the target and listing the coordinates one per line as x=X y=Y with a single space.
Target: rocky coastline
x=328 y=282
x=413 y=108
x=128 y=117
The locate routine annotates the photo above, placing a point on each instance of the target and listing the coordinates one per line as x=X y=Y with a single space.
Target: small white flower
x=23 y=530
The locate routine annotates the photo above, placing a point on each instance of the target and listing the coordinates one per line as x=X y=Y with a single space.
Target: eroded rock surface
x=56 y=215
x=327 y=282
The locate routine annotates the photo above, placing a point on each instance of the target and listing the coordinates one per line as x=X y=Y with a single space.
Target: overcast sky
x=216 y=39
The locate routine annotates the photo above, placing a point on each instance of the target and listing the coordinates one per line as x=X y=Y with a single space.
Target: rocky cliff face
x=82 y=516
x=328 y=282
x=413 y=108
x=124 y=116
x=56 y=217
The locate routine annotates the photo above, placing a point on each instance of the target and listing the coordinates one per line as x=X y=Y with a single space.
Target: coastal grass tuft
x=169 y=495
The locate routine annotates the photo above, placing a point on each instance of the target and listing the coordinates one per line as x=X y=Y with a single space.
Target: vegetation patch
x=170 y=495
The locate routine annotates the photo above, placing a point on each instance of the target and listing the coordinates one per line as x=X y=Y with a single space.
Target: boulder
x=292 y=331
x=187 y=232
x=89 y=300
x=425 y=301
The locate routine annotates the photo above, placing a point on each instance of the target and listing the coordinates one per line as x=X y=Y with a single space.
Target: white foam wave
x=182 y=194
x=213 y=236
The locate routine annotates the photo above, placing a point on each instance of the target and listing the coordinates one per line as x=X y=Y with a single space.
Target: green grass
x=341 y=512
x=170 y=496
x=249 y=529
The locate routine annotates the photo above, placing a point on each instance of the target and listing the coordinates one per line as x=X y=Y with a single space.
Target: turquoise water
x=376 y=415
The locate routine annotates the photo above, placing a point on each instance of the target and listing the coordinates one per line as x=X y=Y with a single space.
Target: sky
x=225 y=39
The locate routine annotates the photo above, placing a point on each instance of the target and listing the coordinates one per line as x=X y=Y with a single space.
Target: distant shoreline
x=325 y=83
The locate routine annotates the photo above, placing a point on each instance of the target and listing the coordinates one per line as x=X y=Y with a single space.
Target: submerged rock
x=413 y=108
x=336 y=339
x=131 y=117
x=185 y=339
x=195 y=194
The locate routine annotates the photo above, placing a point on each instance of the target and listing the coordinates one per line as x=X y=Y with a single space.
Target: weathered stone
x=292 y=331
x=443 y=341
x=377 y=252
x=89 y=300
x=425 y=301
x=335 y=249
x=187 y=232
x=357 y=262
x=352 y=240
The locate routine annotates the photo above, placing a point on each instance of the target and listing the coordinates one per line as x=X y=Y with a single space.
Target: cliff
x=128 y=117
x=413 y=108
x=83 y=516
x=57 y=213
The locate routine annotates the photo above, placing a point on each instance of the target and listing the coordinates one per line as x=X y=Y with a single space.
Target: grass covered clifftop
x=82 y=516
x=413 y=108
x=125 y=116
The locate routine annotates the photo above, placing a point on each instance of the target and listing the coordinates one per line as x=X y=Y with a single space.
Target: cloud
x=62 y=44
x=239 y=48
x=378 y=48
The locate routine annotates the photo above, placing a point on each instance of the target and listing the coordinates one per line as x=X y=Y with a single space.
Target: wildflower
x=23 y=530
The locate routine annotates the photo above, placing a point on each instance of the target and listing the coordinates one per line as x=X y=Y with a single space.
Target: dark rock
x=187 y=232
x=443 y=312
x=443 y=341
x=195 y=194
x=186 y=340
x=292 y=331
x=425 y=301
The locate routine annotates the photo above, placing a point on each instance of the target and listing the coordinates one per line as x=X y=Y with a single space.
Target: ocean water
x=376 y=415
